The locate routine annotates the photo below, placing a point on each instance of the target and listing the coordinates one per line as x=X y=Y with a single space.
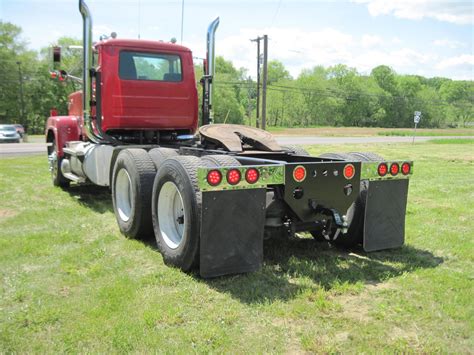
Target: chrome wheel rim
x=53 y=163
x=124 y=195
x=171 y=215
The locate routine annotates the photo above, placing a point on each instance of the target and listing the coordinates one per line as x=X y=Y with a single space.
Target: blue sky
x=430 y=38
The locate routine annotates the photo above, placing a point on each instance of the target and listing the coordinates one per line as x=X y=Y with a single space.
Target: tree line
x=334 y=96
x=341 y=96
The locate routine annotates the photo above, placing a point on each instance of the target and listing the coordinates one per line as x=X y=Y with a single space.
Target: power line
x=276 y=13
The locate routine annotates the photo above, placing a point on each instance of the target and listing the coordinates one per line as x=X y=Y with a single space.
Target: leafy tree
x=385 y=78
x=277 y=72
x=18 y=72
x=227 y=93
x=226 y=107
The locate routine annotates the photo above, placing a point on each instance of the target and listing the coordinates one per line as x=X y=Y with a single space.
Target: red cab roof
x=144 y=44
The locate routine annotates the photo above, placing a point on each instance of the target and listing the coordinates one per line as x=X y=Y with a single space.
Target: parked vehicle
x=9 y=134
x=209 y=195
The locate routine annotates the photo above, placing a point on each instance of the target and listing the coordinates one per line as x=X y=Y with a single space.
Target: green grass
x=428 y=133
x=453 y=141
x=70 y=282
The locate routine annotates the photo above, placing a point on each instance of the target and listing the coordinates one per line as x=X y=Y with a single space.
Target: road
x=24 y=149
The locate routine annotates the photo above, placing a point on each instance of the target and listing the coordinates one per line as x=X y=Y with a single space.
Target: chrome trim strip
x=269 y=175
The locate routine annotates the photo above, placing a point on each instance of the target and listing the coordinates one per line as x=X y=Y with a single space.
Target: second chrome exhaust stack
x=94 y=132
x=86 y=75
x=209 y=71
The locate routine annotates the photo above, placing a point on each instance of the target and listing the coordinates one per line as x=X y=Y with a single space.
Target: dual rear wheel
x=156 y=193
x=176 y=207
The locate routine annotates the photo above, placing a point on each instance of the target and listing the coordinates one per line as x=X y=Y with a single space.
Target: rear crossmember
x=274 y=174
x=316 y=202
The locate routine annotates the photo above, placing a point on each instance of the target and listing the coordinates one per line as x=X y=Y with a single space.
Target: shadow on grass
x=287 y=261
x=327 y=267
x=95 y=197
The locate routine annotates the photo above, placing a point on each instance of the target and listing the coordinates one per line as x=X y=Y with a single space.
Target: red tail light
x=299 y=173
x=394 y=169
x=406 y=168
x=233 y=176
x=349 y=171
x=382 y=169
x=214 y=177
x=53 y=74
x=252 y=175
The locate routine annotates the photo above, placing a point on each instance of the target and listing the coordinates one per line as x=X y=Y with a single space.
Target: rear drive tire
x=57 y=176
x=337 y=156
x=159 y=155
x=297 y=150
x=217 y=161
x=365 y=156
x=176 y=210
x=132 y=186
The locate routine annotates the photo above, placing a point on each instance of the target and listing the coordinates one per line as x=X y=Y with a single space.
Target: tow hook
x=337 y=222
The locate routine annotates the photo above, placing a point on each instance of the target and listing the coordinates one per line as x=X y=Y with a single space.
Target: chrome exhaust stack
x=86 y=74
x=209 y=71
x=210 y=46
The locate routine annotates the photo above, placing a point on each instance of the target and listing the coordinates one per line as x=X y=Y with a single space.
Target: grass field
x=70 y=282
x=369 y=131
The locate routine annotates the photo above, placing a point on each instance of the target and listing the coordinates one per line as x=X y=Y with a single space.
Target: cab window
x=149 y=66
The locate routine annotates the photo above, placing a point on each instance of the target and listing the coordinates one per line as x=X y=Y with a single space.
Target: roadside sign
x=417 y=117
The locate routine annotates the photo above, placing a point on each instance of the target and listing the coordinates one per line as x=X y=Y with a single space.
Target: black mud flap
x=384 y=226
x=232 y=231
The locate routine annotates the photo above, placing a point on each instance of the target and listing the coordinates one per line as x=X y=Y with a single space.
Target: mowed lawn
x=70 y=282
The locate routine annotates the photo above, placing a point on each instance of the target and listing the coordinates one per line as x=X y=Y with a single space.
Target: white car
x=9 y=134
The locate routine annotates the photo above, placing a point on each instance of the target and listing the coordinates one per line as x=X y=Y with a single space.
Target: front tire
x=57 y=176
x=132 y=185
x=176 y=210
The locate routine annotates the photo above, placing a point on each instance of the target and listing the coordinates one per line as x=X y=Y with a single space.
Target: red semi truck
x=208 y=194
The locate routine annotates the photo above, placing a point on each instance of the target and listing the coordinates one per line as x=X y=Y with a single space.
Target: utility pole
x=265 y=77
x=182 y=20
x=22 y=102
x=258 y=79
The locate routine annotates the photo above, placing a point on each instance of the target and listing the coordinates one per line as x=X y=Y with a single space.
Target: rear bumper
x=233 y=216
x=9 y=139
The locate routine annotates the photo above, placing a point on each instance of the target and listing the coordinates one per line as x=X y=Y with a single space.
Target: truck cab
x=145 y=86
x=141 y=90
